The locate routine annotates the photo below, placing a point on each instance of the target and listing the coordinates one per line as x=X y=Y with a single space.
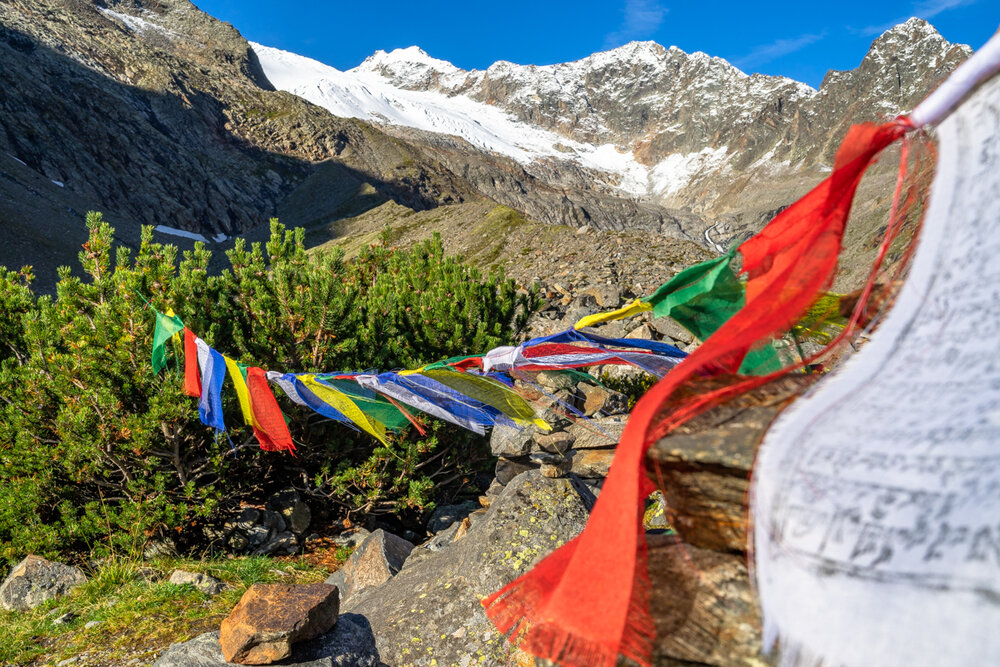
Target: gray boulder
x=35 y=580
x=433 y=605
x=205 y=583
x=375 y=561
x=511 y=440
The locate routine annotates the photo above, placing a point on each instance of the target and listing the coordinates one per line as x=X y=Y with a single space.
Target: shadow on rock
x=351 y=643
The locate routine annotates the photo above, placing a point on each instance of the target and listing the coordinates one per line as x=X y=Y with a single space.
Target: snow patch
x=59 y=183
x=194 y=236
x=137 y=24
x=17 y=160
x=675 y=172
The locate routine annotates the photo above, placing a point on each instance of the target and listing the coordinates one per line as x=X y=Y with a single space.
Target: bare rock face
x=270 y=618
x=430 y=612
x=702 y=605
x=35 y=580
x=704 y=467
x=375 y=561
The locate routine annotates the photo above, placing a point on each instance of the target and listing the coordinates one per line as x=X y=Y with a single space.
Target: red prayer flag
x=271 y=429
x=588 y=601
x=192 y=376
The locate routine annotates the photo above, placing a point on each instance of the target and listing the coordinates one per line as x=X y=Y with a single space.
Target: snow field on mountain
x=365 y=93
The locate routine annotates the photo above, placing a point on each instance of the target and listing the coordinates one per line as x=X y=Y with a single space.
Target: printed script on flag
x=876 y=502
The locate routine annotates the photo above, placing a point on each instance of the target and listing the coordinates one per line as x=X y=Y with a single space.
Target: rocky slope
x=158 y=114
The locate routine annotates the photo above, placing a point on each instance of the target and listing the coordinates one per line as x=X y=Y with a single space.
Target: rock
x=257 y=534
x=555 y=380
x=352 y=537
x=597 y=399
x=349 y=644
x=511 y=440
x=654 y=516
x=90 y=625
x=669 y=328
x=644 y=331
x=591 y=463
x=295 y=513
x=63 y=619
x=507 y=469
x=273 y=522
x=270 y=618
x=607 y=296
x=244 y=521
x=282 y=543
x=702 y=605
x=433 y=605
x=705 y=465
x=444 y=516
x=375 y=561
x=159 y=548
x=35 y=580
x=559 y=442
x=556 y=469
x=205 y=583
x=598 y=432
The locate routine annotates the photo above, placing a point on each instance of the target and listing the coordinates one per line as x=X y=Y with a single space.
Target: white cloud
x=765 y=53
x=642 y=19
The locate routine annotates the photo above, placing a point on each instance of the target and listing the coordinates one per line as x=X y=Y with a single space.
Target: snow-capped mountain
x=658 y=121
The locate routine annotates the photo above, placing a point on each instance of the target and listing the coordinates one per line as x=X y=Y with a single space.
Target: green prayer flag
x=166 y=326
x=701 y=298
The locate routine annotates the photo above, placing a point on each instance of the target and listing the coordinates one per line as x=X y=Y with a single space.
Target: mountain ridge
x=157 y=113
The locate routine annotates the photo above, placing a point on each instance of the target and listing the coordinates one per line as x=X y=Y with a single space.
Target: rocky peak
x=410 y=68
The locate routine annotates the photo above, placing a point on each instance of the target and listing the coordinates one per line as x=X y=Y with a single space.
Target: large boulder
x=598 y=432
x=430 y=612
x=373 y=562
x=35 y=580
x=349 y=644
x=270 y=618
x=702 y=605
x=704 y=467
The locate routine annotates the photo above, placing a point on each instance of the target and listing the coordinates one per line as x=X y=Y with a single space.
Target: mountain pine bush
x=97 y=453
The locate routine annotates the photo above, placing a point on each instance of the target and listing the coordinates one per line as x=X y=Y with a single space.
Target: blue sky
x=801 y=39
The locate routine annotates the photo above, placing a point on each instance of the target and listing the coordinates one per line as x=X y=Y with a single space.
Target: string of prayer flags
x=237 y=373
x=344 y=405
x=490 y=392
x=385 y=386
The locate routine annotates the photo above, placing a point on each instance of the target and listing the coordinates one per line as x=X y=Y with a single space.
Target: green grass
x=138 y=618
